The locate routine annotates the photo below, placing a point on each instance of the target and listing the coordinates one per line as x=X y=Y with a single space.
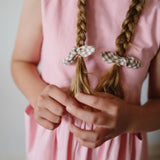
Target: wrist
x=136 y=116
x=35 y=94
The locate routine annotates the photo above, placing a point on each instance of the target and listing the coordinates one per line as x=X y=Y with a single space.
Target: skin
x=50 y=102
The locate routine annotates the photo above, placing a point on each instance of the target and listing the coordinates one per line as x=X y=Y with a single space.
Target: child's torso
x=104 y=20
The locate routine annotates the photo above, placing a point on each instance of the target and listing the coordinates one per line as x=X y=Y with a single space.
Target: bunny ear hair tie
x=83 y=51
x=128 y=61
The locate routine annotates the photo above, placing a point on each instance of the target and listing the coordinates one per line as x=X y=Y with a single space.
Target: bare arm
x=26 y=54
x=150 y=113
x=47 y=100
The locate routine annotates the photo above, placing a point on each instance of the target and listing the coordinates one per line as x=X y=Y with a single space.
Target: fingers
x=98 y=118
x=89 y=135
x=93 y=101
x=84 y=134
x=46 y=114
x=89 y=144
x=52 y=105
x=60 y=96
x=43 y=113
x=46 y=124
x=46 y=119
x=98 y=101
x=90 y=138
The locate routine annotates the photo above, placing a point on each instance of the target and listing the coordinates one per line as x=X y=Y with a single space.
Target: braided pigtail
x=80 y=81
x=110 y=81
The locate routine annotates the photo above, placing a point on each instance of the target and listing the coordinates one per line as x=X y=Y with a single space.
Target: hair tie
x=128 y=61
x=83 y=51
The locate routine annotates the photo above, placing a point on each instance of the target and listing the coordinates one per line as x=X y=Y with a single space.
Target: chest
x=104 y=20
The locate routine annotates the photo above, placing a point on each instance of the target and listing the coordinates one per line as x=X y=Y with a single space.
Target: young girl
x=85 y=105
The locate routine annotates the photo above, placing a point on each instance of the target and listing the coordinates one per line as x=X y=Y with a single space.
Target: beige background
x=13 y=103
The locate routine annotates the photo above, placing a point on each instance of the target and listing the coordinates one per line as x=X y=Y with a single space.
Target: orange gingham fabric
x=128 y=61
x=83 y=51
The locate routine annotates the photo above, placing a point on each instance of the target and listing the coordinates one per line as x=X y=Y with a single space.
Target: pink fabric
x=104 y=19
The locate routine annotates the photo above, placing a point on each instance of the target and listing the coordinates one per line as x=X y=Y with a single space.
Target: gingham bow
x=83 y=51
x=128 y=61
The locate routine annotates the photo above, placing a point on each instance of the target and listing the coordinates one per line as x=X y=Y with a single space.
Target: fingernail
x=68 y=108
x=78 y=94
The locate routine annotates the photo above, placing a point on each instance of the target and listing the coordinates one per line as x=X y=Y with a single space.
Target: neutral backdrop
x=13 y=103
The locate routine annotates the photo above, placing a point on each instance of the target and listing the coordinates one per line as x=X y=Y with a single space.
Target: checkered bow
x=128 y=61
x=83 y=51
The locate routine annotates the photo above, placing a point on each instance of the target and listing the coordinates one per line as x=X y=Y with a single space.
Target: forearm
x=27 y=79
x=147 y=116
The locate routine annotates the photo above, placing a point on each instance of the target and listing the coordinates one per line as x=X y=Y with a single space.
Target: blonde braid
x=128 y=26
x=81 y=23
x=80 y=81
x=110 y=81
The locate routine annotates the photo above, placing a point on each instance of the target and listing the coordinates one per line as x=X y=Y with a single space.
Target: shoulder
x=155 y=2
x=152 y=4
x=151 y=9
x=150 y=21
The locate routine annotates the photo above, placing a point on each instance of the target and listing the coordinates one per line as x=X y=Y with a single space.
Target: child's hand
x=114 y=117
x=51 y=106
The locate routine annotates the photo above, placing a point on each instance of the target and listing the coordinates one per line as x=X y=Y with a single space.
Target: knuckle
x=37 y=110
x=96 y=118
x=37 y=114
x=50 y=87
x=40 y=100
x=37 y=118
x=96 y=137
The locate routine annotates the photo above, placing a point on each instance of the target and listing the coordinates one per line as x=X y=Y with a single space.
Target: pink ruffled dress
x=104 y=20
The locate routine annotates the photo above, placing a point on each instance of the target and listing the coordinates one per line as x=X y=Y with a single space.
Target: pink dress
x=104 y=24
